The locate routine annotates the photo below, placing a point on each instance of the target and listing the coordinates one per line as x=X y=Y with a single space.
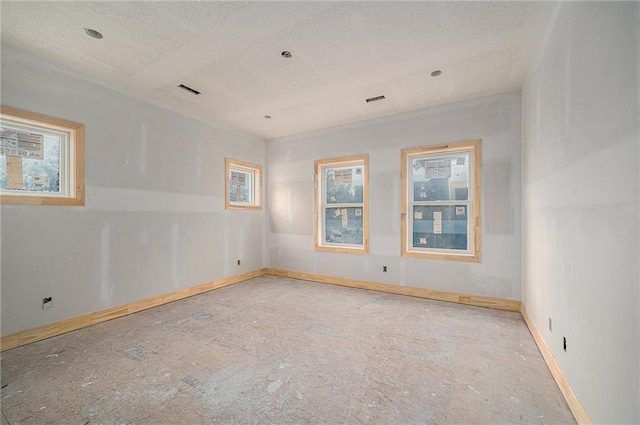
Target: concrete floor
x=283 y=351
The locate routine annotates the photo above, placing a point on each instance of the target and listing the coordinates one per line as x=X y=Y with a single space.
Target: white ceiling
x=343 y=53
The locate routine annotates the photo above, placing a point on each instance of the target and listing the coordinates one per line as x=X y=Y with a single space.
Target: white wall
x=581 y=204
x=496 y=120
x=154 y=220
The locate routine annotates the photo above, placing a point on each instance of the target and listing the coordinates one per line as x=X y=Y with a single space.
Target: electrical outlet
x=564 y=343
x=550 y=325
x=384 y=269
x=238 y=262
x=47 y=302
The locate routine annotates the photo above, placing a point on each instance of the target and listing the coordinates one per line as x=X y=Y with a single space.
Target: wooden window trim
x=318 y=227
x=76 y=145
x=257 y=184
x=404 y=179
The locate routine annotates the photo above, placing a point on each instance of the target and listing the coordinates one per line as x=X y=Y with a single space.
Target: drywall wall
x=154 y=220
x=496 y=120
x=581 y=204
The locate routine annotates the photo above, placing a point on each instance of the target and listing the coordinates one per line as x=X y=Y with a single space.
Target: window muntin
x=341 y=223
x=243 y=185
x=440 y=202
x=41 y=159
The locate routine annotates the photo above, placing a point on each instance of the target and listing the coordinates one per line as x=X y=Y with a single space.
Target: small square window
x=41 y=159
x=243 y=185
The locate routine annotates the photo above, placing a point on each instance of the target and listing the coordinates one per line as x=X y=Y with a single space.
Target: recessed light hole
x=436 y=73
x=286 y=54
x=268 y=117
x=93 y=33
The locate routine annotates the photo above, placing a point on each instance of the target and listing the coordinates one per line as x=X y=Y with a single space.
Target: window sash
x=334 y=230
x=65 y=168
x=325 y=232
x=417 y=231
x=243 y=185
x=236 y=189
x=469 y=228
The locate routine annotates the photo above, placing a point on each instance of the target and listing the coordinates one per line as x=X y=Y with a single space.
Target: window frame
x=320 y=205
x=71 y=159
x=256 y=184
x=473 y=202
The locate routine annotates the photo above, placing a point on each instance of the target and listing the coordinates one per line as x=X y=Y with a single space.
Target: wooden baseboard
x=475 y=300
x=42 y=332
x=47 y=331
x=574 y=404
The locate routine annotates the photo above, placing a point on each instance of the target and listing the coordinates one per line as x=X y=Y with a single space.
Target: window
x=243 y=185
x=440 y=211
x=341 y=221
x=41 y=159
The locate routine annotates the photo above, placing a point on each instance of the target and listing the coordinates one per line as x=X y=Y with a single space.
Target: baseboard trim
x=58 y=328
x=47 y=331
x=572 y=400
x=475 y=300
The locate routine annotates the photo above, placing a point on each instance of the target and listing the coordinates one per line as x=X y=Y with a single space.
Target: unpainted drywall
x=581 y=204
x=496 y=120
x=154 y=220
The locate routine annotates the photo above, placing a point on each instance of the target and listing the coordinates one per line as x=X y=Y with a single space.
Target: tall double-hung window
x=341 y=215
x=440 y=210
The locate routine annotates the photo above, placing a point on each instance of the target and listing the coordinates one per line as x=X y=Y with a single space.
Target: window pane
x=32 y=162
x=442 y=226
x=441 y=178
x=343 y=185
x=343 y=225
x=240 y=186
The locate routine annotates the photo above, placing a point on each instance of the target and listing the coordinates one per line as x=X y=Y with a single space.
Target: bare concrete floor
x=283 y=351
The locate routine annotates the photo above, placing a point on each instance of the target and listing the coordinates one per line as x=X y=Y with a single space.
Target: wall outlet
x=550 y=325
x=384 y=269
x=564 y=343
x=47 y=302
x=238 y=262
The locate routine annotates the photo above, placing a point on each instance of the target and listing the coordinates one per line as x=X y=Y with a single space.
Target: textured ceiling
x=343 y=53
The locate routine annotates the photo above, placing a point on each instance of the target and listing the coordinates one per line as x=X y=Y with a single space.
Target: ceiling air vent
x=375 y=99
x=189 y=89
